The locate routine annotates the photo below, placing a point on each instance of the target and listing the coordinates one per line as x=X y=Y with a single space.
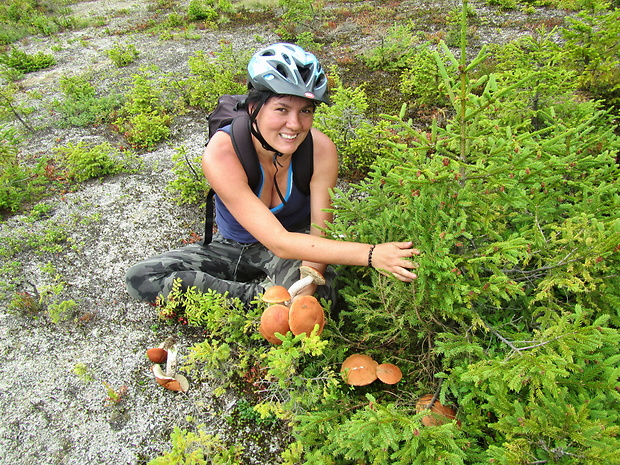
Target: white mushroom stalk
x=171 y=361
x=309 y=276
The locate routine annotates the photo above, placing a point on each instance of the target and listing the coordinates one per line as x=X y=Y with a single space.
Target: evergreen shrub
x=80 y=162
x=359 y=140
x=514 y=315
x=81 y=106
x=25 y=62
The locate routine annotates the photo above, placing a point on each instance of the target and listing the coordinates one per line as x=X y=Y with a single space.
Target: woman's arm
x=227 y=177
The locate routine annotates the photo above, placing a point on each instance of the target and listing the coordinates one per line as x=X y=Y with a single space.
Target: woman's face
x=284 y=122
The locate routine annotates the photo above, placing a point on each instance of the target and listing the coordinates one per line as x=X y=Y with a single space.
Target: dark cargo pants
x=244 y=270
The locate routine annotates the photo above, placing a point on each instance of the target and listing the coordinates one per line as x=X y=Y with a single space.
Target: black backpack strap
x=209 y=218
x=242 y=143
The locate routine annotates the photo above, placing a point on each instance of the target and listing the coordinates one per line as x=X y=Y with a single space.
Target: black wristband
x=372 y=249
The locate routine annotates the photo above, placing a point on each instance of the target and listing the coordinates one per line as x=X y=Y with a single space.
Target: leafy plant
x=82 y=371
x=296 y=19
x=214 y=75
x=216 y=313
x=80 y=162
x=202 y=10
x=593 y=51
x=397 y=50
x=189 y=184
x=145 y=116
x=358 y=139
x=19 y=182
x=123 y=54
x=20 y=18
x=25 y=62
x=198 y=448
x=81 y=106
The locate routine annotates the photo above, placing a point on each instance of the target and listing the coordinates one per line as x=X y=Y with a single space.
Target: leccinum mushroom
x=389 y=373
x=359 y=370
x=276 y=295
x=178 y=382
x=308 y=275
x=274 y=320
x=157 y=355
x=170 y=379
x=440 y=414
x=306 y=312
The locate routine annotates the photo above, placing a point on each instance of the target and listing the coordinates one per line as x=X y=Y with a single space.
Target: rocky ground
x=58 y=380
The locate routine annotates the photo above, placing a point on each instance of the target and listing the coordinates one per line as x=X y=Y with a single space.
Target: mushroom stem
x=308 y=276
x=171 y=361
x=299 y=286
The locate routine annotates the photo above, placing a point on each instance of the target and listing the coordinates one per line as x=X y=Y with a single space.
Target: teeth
x=288 y=136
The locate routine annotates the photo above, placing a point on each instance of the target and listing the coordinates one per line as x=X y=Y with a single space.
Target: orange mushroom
x=157 y=355
x=304 y=314
x=274 y=320
x=359 y=370
x=276 y=295
x=440 y=413
x=389 y=373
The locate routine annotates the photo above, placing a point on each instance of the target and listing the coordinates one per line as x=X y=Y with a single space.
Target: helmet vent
x=282 y=70
x=305 y=72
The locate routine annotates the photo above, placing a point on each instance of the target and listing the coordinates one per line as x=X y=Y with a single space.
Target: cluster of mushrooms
x=298 y=316
x=169 y=379
x=360 y=370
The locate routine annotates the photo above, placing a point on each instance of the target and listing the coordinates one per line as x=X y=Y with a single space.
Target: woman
x=266 y=234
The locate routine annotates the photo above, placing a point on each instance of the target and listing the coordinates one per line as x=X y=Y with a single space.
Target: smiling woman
x=265 y=234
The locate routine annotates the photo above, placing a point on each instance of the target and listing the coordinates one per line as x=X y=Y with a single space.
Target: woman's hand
x=390 y=258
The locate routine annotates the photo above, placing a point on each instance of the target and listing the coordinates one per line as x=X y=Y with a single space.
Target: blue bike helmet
x=287 y=69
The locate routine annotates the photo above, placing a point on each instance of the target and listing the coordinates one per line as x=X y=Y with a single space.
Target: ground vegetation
x=485 y=133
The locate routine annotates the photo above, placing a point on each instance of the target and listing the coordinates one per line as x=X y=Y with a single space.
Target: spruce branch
x=519 y=350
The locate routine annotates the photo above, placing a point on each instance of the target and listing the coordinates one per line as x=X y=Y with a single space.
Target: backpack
x=227 y=112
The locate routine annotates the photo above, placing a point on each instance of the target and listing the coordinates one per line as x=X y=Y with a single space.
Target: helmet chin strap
x=276 y=163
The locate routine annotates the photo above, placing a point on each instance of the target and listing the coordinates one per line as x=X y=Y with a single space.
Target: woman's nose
x=294 y=122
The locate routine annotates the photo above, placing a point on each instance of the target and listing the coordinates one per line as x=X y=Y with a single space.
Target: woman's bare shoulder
x=220 y=162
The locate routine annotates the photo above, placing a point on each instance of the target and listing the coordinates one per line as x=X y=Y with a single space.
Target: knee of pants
x=135 y=283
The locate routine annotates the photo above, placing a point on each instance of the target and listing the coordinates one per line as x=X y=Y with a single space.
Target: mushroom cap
x=177 y=382
x=274 y=320
x=276 y=295
x=304 y=314
x=389 y=373
x=317 y=277
x=157 y=355
x=440 y=413
x=359 y=370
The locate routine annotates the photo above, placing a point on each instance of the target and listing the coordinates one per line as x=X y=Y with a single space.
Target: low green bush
x=202 y=10
x=79 y=162
x=123 y=54
x=189 y=184
x=212 y=75
x=358 y=139
x=81 y=106
x=25 y=62
x=19 y=182
x=146 y=115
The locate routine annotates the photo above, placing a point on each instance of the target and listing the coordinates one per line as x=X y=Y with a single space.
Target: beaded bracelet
x=372 y=249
